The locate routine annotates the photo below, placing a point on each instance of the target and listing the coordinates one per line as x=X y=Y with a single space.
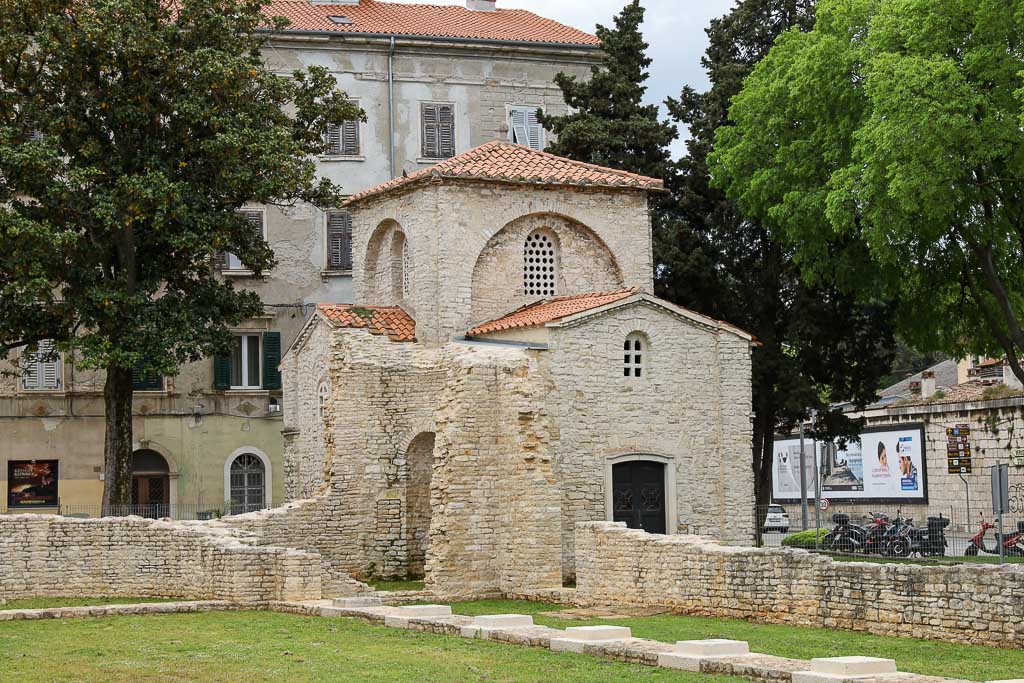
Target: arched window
x=634 y=353
x=399 y=266
x=540 y=262
x=406 y=269
x=247 y=484
x=323 y=392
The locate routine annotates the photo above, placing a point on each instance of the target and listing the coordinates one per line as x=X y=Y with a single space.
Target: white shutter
x=525 y=128
x=40 y=371
x=535 y=131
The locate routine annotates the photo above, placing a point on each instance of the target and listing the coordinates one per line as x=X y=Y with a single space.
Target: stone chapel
x=505 y=373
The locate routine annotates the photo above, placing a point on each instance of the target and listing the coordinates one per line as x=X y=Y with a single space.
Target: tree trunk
x=764 y=445
x=117 y=447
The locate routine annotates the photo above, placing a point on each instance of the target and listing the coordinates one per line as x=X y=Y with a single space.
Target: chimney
x=482 y=5
x=927 y=384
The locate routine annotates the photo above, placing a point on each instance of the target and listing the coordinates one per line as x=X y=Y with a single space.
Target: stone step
x=424 y=611
x=713 y=647
x=357 y=602
x=847 y=670
x=503 y=621
x=577 y=638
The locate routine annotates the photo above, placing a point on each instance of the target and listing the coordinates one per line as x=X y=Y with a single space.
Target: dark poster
x=31 y=483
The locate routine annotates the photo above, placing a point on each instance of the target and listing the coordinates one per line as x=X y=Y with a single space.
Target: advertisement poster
x=32 y=483
x=886 y=465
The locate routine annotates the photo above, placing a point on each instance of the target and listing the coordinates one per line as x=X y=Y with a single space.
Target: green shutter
x=145 y=382
x=271 y=359
x=221 y=372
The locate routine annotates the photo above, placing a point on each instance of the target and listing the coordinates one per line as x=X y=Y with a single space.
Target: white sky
x=674 y=29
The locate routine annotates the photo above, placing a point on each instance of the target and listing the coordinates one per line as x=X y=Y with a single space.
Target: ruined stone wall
x=305 y=433
x=691 y=405
x=963 y=603
x=43 y=555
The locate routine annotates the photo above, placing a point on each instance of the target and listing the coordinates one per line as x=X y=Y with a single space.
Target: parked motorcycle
x=1013 y=542
x=927 y=541
x=845 y=537
x=875 y=533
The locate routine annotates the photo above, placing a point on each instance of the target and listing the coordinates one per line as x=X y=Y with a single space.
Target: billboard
x=32 y=483
x=887 y=465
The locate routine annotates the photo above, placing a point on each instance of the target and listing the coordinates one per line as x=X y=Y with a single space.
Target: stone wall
x=44 y=555
x=962 y=603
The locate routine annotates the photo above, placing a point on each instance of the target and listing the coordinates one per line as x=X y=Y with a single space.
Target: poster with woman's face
x=891 y=463
x=32 y=483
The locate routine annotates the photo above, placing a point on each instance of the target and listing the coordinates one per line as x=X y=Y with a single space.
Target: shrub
x=803 y=539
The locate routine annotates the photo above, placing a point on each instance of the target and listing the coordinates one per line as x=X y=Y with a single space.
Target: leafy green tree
x=819 y=345
x=611 y=125
x=886 y=147
x=130 y=133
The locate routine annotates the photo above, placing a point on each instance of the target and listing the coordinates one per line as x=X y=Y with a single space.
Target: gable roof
x=429 y=21
x=507 y=162
x=945 y=376
x=389 y=320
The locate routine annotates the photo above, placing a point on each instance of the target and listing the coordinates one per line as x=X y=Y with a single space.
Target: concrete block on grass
x=424 y=611
x=503 y=621
x=689 y=654
x=846 y=670
x=577 y=638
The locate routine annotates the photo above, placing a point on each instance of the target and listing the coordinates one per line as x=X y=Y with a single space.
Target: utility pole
x=803 y=480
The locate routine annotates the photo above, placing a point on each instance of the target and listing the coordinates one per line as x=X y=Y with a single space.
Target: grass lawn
x=396 y=584
x=934 y=658
x=266 y=646
x=42 y=603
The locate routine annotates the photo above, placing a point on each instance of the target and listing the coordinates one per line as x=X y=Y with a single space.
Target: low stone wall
x=967 y=603
x=45 y=555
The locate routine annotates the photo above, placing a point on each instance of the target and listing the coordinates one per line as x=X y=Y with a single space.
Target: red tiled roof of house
x=433 y=21
x=549 y=310
x=389 y=320
x=508 y=162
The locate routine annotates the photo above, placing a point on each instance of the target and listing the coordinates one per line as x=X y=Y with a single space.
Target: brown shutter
x=430 y=131
x=350 y=138
x=333 y=138
x=446 y=131
x=339 y=240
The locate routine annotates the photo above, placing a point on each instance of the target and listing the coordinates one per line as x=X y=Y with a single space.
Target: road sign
x=824 y=504
x=958 y=450
x=1000 y=489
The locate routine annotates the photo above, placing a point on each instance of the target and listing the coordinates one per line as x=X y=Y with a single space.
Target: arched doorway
x=248 y=484
x=638 y=495
x=420 y=460
x=151 y=484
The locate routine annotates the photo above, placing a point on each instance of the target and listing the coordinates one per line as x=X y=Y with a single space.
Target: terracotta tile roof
x=433 y=21
x=549 y=310
x=968 y=392
x=389 y=320
x=508 y=162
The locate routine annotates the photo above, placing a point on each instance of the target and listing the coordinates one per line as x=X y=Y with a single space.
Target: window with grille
x=343 y=139
x=524 y=128
x=41 y=370
x=229 y=261
x=247 y=488
x=438 y=131
x=633 y=353
x=339 y=240
x=323 y=392
x=540 y=257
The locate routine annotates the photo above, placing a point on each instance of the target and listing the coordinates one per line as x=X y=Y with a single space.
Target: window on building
x=399 y=266
x=634 y=350
x=524 y=128
x=343 y=139
x=438 y=131
x=540 y=260
x=143 y=380
x=406 y=270
x=41 y=369
x=252 y=363
x=339 y=240
x=228 y=261
x=323 y=393
x=245 y=362
x=247 y=484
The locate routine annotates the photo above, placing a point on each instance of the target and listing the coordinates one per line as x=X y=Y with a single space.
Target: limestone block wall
x=692 y=405
x=963 y=603
x=44 y=555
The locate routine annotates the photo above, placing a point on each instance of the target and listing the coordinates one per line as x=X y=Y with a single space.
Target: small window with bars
x=634 y=354
x=540 y=261
x=343 y=139
x=438 y=131
x=41 y=369
x=524 y=128
x=339 y=240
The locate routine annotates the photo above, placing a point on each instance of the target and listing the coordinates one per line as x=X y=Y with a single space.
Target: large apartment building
x=434 y=81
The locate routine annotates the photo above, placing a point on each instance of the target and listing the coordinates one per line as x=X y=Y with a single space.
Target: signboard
x=1000 y=489
x=958 y=449
x=32 y=483
x=887 y=465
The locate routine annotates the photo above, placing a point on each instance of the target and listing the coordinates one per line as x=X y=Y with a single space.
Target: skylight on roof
x=339 y=19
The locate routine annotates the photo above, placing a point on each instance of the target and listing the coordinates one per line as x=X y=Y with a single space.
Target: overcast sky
x=674 y=28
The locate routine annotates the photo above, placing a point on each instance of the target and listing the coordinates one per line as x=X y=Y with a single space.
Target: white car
x=776 y=519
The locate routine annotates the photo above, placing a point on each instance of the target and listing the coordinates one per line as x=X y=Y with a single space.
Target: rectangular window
x=245 y=362
x=145 y=381
x=343 y=140
x=524 y=128
x=228 y=261
x=438 y=131
x=41 y=371
x=339 y=240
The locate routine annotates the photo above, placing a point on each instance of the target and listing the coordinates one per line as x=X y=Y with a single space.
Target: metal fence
x=921 y=533
x=191 y=511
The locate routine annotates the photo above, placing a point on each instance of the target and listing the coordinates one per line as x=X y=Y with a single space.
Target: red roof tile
x=549 y=310
x=433 y=21
x=389 y=320
x=507 y=162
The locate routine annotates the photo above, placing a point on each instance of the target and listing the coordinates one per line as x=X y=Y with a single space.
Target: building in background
x=434 y=81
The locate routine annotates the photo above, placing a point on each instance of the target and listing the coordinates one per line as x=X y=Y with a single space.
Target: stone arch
x=173 y=470
x=419 y=457
x=668 y=465
x=386 y=255
x=585 y=264
x=268 y=474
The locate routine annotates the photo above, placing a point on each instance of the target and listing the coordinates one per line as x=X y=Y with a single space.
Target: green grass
x=396 y=584
x=266 y=646
x=928 y=657
x=42 y=603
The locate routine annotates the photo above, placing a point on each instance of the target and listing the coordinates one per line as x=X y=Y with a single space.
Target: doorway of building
x=151 y=484
x=638 y=495
x=420 y=459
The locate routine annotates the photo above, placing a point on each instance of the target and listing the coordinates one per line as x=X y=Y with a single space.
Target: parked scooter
x=1013 y=543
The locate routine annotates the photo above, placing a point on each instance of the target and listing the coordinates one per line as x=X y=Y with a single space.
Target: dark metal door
x=638 y=495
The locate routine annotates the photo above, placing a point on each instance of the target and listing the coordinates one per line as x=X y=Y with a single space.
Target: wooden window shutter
x=221 y=372
x=333 y=139
x=220 y=260
x=255 y=219
x=350 y=138
x=31 y=372
x=271 y=359
x=430 y=122
x=339 y=240
x=535 y=131
x=40 y=372
x=526 y=128
x=446 y=131
x=142 y=381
